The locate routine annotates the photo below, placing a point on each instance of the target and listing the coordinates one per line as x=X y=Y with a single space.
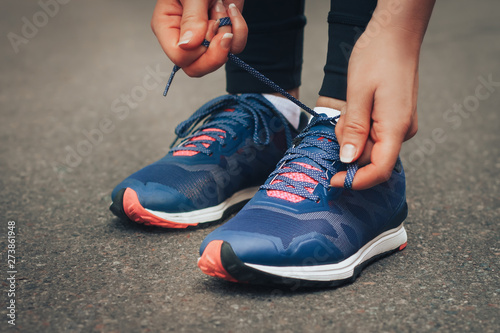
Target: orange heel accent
x=403 y=246
x=210 y=262
x=134 y=210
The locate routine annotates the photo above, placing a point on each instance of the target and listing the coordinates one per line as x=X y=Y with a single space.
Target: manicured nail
x=347 y=153
x=185 y=38
x=233 y=11
x=226 y=40
x=219 y=7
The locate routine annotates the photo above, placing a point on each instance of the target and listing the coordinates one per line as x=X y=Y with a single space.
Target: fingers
x=364 y=158
x=227 y=38
x=213 y=26
x=354 y=129
x=168 y=36
x=413 y=127
x=214 y=57
x=218 y=11
x=181 y=26
x=392 y=119
x=194 y=24
x=383 y=158
x=376 y=160
x=165 y=24
x=239 y=29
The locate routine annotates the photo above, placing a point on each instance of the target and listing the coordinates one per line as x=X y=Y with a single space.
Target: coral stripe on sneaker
x=134 y=210
x=298 y=176
x=200 y=137
x=210 y=262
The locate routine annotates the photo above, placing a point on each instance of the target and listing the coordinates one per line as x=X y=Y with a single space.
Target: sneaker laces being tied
x=226 y=113
x=325 y=160
x=302 y=168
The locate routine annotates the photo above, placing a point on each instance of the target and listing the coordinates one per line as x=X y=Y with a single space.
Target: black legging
x=275 y=44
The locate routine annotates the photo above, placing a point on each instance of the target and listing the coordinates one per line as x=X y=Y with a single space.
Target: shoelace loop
x=249 y=110
x=326 y=159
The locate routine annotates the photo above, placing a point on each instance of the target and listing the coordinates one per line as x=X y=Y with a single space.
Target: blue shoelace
x=249 y=110
x=326 y=159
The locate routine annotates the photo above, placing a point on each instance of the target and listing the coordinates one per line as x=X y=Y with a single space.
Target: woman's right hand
x=182 y=25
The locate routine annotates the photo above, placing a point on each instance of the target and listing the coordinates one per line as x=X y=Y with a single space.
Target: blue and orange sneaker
x=216 y=168
x=299 y=231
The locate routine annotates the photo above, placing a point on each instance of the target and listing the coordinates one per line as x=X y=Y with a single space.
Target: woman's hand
x=382 y=86
x=182 y=25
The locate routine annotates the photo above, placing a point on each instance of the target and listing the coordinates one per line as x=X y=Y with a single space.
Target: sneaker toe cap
x=261 y=249
x=249 y=248
x=156 y=196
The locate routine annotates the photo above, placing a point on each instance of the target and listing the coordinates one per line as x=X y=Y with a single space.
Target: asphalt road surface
x=80 y=269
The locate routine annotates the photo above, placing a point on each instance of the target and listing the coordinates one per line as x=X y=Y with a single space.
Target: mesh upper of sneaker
x=201 y=171
x=297 y=219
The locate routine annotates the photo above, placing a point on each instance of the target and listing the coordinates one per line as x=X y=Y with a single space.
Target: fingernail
x=226 y=40
x=347 y=153
x=185 y=38
x=233 y=11
x=219 y=7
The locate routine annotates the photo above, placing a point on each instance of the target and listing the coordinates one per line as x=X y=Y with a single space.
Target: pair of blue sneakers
x=296 y=229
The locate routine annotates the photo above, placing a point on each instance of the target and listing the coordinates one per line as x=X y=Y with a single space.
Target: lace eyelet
x=210 y=155
x=235 y=138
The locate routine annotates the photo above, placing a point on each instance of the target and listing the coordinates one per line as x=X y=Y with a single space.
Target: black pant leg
x=274 y=47
x=346 y=22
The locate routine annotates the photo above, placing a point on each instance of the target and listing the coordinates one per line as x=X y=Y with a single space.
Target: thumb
x=194 y=23
x=355 y=126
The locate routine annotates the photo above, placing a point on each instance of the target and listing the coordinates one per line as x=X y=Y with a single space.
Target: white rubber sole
x=209 y=214
x=385 y=242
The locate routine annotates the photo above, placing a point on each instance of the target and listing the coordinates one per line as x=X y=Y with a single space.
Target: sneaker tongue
x=323 y=126
x=327 y=111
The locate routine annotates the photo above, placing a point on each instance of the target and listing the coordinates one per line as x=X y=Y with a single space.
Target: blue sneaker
x=298 y=230
x=216 y=168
